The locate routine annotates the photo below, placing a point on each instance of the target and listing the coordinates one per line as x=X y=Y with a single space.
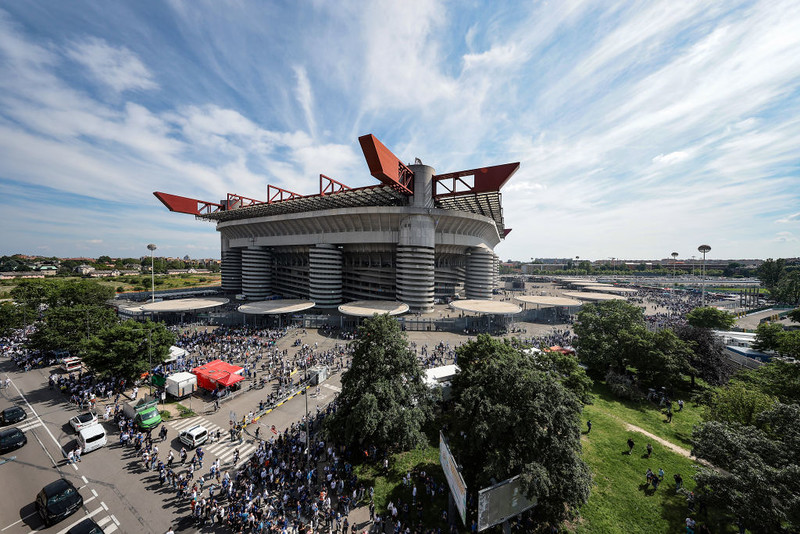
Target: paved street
x=118 y=492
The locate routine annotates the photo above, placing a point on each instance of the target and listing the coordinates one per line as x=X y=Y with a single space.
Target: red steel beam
x=329 y=186
x=385 y=166
x=191 y=206
x=238 y=201
x=486 y=179
x=280 y=194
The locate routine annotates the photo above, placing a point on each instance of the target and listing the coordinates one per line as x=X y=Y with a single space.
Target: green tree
x=789 y=343
x=756 y=468
x=69 y=293
x=777 y=378
x=662 y=360
x=384 y=401
x=770 y=272
x=66 y=328
x=707 y=359
x=794 y=315
x=788 y=289
x=768 y=336
x=509 y=418
x=610 y=335
x=738 y=404
x=11 y=318
x=710 y=317
x=566 y=369
x=125 y=350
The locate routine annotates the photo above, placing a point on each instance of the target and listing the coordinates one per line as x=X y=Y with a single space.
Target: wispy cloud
x=641 y=127
x=117 y=67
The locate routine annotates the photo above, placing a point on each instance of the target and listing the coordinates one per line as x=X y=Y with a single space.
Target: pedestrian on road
x=630 y=446
x=78 y=453
x=588 y=426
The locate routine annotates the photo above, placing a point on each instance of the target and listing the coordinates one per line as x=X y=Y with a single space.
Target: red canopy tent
x=217 y=374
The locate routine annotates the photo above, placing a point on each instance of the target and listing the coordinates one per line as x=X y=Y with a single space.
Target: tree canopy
x=125 y=350
x=66 y=328
x=384 y=401
x=756 y=473
x=510 y=418
x=781 y=280
x=707 y=359
x=610 y=334
x=566 y=369
x=710 y=317
x=61 y=293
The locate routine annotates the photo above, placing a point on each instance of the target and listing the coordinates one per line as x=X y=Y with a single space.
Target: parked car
x=84 y=420
x=88 y=526
x=12 y=439
x=58 y=500
x=12 y=415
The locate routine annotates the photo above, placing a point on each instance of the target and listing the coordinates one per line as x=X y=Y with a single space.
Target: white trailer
x=181 y=385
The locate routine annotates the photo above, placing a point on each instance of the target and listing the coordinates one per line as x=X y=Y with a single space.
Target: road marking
x=109 y=529
x=94 y=493
x=90 y=499
x=334 y=388
x=104 y=506
x=85 y=480
x=113 y=518
x=29 y=425
x=87 y=516
x=74 y=466
x=19 y=521
x=43 y=425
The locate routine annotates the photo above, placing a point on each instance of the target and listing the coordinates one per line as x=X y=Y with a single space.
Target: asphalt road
x=118 y=492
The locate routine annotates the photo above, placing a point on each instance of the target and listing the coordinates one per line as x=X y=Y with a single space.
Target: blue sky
x=642 y=127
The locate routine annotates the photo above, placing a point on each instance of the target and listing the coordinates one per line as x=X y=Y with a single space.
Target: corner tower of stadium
x=417 y=237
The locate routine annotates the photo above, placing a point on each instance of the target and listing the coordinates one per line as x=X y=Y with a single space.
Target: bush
x=623 y=387
x=165 y=415
x=120 y=289
x=184 y=411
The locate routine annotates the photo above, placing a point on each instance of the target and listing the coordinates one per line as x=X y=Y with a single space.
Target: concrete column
x=325 y=275
x=414 y=272
x=423 y=186
x=231 y=269
x=480 y=273
x=256 y=272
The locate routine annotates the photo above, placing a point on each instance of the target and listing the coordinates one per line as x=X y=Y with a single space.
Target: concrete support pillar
x=256 y=272
x=480 y=274
x=325 y=275
x=414 y=272
x=231 y=270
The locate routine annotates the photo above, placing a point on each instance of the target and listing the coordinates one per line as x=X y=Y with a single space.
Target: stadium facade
x=416 y=237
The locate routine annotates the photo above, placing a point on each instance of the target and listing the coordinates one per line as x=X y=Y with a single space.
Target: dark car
x=11 y=439
x=87 y=526
x=58 y=500
x=12 y=415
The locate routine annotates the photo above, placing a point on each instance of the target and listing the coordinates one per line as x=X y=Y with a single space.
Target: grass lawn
x=390 y=488
x=646 y=415
x=619 y=500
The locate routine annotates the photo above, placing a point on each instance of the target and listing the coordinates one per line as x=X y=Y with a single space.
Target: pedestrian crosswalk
x=107 y=522
x=224 y=449
x=29 y=424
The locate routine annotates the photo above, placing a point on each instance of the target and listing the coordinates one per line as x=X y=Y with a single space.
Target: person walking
x=630 y=446
x=649 y=450
x=588 y=426
x=678 y=481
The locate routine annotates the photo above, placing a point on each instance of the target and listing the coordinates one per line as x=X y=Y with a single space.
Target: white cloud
x=672 y=158
x=784 y=237
x=305 y=98
x=117 y=67
x=793 y=218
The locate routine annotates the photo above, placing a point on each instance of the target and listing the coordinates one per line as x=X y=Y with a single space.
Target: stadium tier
x=417 y=237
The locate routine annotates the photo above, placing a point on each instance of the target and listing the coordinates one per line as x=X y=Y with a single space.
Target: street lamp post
x=151 y=247
x=674 y=258
x=704 y=249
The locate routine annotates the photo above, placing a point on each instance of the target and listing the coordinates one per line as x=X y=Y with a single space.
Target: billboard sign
x=501 y=502
x=458 y=489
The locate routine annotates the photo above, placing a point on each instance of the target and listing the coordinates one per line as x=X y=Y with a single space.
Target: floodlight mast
x=151 y=247
x=703 y=249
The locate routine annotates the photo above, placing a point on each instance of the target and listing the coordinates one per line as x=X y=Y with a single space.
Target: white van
x=92 y=438
x=194 y=437
x=71 y=364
